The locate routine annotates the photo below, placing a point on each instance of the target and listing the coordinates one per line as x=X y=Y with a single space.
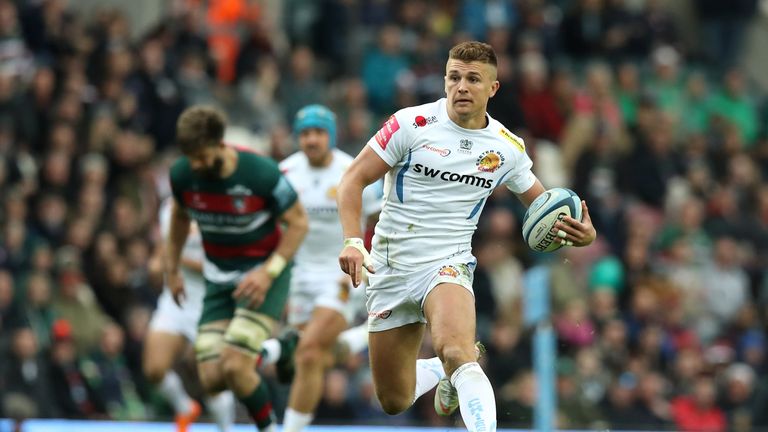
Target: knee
x=394 y=404
x=234 y=365
x=311 y=354
x=210 y=378
x=454 y=355
x=153 y=372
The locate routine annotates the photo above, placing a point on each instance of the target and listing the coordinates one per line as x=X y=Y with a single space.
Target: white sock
x=476 y=400
x=428 y=374
x=270 y=352
x=173 y=390
x=355 y=338
x=222 y=409
x=295 y=421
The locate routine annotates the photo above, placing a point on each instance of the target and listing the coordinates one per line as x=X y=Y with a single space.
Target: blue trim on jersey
x=477 y=208
x=401 y=177
x=501 y=179
x=479 y=205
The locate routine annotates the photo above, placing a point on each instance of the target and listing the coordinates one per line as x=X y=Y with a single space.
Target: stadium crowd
x=660 y=323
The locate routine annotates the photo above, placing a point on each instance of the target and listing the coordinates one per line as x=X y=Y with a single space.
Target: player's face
x=208 y=162
x=468 y=86
x=315 y=143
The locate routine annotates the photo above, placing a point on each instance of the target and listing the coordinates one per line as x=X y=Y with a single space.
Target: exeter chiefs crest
x=448 y=270
x=489 y=161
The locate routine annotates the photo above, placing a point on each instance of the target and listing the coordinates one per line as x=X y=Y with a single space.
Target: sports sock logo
x=476 y=411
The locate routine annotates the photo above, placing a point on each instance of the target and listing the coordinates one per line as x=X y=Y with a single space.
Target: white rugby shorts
x=331 y=290
x=170 y=318
x=396 y=297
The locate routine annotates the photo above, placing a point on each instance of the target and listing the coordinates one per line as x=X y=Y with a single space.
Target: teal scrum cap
x=316 y=116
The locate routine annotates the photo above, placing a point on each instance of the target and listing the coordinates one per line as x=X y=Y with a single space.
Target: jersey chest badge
x=238 y=202
x=465 y=146
x=489 y=161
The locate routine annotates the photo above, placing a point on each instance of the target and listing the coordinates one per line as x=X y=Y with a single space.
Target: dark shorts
x=218 y=303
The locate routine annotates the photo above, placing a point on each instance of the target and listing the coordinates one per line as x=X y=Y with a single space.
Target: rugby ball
x=542 y=215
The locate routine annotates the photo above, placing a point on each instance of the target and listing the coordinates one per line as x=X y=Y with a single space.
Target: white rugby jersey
x=441 y=176
x=317 y=192
x=194 y=284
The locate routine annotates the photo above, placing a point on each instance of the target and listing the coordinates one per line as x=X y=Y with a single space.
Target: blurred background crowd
x=655 y=112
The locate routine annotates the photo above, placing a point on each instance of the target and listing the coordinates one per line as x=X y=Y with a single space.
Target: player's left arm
x=577 y=233
x=531 y=194
x=156 y=266
x=296 y=221
x=256 y=283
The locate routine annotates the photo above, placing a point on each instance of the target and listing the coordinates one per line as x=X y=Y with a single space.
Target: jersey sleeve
x=283 y=195
x=521 y=178
x=391 y=142
x=285 y=165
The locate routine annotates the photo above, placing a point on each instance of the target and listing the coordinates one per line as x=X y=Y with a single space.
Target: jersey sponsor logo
x=449 y=271
x=513 y=139
x=421 y=121
x=385 y=133
x=448 y=176
x=257 y=249
x=239 y=190
x=331 y=192
x=490 y=161
x=381 y=315
x=441 y=152
x=223 y=203
x=321 y=210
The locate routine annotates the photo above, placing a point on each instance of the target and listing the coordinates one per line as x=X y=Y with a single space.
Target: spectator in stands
x=25 y=379
x=38 y=308
x=11 y=311
x=301 y=86
x=335 y=403
x=697 y=411
x=106 y=373
x=68 y=384
x=737 y=398
x=381 y=69
x=734 y=104
x=725 y=284
x=76 y=304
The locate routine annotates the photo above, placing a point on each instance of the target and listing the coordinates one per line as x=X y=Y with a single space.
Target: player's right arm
x=156 y=265
x=367 y=167
x=177 y=237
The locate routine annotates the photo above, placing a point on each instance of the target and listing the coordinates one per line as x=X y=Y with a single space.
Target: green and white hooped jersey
x=440 y=179
x=237 y=216
x=316 y=188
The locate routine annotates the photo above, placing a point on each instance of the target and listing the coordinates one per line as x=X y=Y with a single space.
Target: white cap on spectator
x=666 y=56
x=740 y=372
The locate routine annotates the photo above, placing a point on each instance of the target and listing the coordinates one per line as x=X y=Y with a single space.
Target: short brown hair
x=199 y=127
x=473 y=51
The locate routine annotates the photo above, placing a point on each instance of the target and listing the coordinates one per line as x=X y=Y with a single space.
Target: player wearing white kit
x=441 y=160
x=320 y=303
x=174 y=327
